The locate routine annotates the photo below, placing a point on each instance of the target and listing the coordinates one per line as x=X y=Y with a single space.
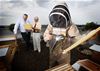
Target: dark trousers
x=26 y=37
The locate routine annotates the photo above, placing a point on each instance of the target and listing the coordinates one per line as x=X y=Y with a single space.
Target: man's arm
x=16 y=27
x=47 y=36
x=74 y=32
x=40 y=26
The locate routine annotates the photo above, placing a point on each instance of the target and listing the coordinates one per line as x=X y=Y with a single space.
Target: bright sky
x=82 y=11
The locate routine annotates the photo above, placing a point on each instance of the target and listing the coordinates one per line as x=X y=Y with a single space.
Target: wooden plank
x=61 y=67
x=4 y=46
x=89 y=65
x=7 y=38
x=88 y=36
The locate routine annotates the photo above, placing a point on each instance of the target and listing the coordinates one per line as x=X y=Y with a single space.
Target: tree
x=11 y=27
x=91 y=26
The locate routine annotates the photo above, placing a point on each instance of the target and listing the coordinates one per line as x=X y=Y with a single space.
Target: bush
x=91 y=26
x=11 y=27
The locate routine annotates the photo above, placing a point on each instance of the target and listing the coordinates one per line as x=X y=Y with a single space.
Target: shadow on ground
x=26 y=59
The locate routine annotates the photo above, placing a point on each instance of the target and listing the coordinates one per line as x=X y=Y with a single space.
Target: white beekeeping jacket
x=72 y=32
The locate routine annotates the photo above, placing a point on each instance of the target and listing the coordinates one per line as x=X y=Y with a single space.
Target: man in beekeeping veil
x=60 y=34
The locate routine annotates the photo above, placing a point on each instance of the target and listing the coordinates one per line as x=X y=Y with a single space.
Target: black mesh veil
x=59 y=16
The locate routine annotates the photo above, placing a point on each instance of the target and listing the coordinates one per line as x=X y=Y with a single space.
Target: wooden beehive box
x=62 y=67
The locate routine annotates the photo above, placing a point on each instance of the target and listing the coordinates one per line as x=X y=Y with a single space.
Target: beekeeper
x=60 y=34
